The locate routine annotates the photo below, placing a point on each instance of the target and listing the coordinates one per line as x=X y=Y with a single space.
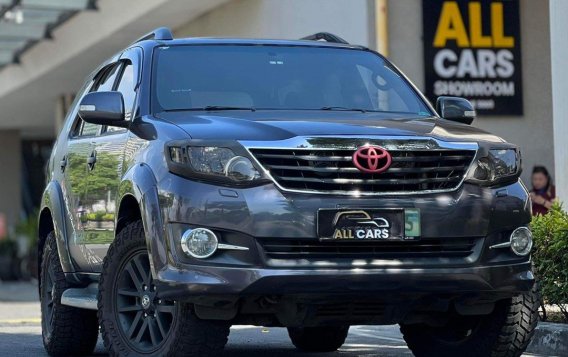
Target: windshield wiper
x=344 y=109
x=223 y=107
x=211 y=108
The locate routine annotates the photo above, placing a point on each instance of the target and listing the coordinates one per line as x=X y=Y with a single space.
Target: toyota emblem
x=372 y=159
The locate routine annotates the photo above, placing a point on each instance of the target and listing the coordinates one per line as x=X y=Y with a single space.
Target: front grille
x=333 y=171
x=284 y=248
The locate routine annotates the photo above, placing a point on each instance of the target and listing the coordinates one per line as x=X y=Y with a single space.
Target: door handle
x=63 y=163
x=91 y=160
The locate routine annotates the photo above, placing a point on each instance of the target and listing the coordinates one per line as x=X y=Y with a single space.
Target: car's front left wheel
x=136 y=320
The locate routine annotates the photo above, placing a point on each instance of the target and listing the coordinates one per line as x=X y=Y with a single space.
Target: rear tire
x=135 y=320
x=318 y=339
x=506 y=332
x=66 y=330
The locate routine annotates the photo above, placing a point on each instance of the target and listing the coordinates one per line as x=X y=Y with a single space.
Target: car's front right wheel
x=506 y=332
x=135 y=320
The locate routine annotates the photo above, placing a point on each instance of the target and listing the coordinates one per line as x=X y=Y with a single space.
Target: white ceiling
x=28 y=90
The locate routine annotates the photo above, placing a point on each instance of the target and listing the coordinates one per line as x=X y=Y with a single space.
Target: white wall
x=559 y=56
x=533 y=131
x=290 y=19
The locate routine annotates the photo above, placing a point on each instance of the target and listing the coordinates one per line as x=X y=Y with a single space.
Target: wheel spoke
x=135 y=279
x=141 y=270
x=130 y=308
x=128 y=292
x=142 y=331
x=168 y=309
x=152 y=327
x=163 y=332
x=135 y=323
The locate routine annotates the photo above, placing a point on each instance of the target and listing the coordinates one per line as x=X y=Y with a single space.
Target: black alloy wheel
x=145 y=319
x=136 y=320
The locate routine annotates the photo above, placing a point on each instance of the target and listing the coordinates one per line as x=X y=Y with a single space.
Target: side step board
x=83 y=298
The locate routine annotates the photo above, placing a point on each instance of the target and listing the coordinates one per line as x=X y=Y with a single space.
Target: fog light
x=199 y=242
x=521 y=241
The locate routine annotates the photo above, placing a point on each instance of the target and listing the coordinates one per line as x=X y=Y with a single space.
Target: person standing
x=543 y=192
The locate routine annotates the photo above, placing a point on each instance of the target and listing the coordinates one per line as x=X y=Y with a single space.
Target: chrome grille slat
x=306 y=157
x=370 y=181
x=325 y=170
x=354 y=169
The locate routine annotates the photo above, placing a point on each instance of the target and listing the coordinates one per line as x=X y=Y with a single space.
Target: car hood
x=281 y=125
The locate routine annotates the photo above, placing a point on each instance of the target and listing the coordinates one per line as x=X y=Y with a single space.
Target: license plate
x=368 y=224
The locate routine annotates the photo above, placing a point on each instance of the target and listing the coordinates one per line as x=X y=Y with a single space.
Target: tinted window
x=278 y=77
x=126 y=87
x=105 y=83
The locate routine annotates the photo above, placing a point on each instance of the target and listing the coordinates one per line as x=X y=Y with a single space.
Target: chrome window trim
x=352 y=142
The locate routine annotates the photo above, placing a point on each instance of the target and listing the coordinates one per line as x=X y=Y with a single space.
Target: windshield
x=217 y=77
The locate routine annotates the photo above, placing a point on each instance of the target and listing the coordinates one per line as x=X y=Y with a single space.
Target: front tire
x=506 y=332
x=318 y=339
x=66 y=330
x=135 y=320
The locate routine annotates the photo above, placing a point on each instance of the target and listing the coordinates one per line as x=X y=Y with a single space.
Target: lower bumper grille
x=424 y=248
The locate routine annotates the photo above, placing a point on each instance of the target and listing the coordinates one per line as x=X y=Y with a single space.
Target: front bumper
x=249 y=217
x=500 y=281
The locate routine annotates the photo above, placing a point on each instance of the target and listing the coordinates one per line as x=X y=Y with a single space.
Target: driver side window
x=126 y=87
x=104 y=81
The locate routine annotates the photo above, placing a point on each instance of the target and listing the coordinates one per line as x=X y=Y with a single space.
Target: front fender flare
x=140 y=182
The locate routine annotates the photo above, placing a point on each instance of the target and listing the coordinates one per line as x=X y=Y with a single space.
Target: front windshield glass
x=197 y=77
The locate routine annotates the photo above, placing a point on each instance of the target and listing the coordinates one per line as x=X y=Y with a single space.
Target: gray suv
x=203 y=183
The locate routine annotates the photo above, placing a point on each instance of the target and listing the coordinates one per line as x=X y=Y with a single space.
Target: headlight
x=497 y=166
x=212 y=163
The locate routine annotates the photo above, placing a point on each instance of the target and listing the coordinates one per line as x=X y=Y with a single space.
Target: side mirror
x=455 y=109
x=104 y=108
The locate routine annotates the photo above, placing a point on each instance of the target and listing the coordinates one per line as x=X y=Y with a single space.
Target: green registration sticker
x=412 y=222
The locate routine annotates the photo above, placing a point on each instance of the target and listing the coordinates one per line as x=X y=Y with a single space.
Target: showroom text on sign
x=472 y=50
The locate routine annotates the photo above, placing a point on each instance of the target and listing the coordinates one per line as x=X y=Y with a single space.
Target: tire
x=66 y=330
x=506 y=332
x=132 y=325
x=318 y=339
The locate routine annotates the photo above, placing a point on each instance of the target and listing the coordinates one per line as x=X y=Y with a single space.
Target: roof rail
x=326 y=36
x=161 y=33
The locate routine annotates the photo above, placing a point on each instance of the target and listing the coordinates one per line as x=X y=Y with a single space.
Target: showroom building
x=507 y=56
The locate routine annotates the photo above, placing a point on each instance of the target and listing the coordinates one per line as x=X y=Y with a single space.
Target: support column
x=10 y=178
x=62 y=105
x=559 y=77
